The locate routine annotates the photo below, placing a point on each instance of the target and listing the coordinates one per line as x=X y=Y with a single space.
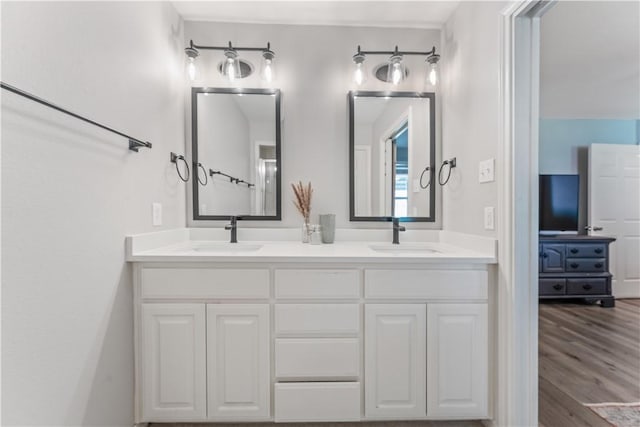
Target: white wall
x=314 y=72
x=590 y=60
x=471 y=112
x=70 y=194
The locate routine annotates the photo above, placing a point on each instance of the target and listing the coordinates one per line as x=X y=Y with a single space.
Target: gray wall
x=471 y=113
x=70 y=194
x=314 y=70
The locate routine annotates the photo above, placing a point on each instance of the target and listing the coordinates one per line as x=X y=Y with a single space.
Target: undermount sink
x=220 y=247
x=405 y=249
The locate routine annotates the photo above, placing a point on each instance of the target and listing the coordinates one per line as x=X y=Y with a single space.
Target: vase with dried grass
x=302 y=202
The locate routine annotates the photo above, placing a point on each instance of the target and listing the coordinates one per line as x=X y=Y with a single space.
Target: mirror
x=236 y=153
x=392 y=156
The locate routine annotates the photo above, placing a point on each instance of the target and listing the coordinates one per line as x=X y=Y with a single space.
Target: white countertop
x=179 y=246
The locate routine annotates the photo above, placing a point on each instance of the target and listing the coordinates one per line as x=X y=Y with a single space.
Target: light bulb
x=231 y=70
x=433 y=74
x=267 y=64
x=358 y=74
x=396 y=74
x=267 y=72
x=191 y=69
x=192 y=65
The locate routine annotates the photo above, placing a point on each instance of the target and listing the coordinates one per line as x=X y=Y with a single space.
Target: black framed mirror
x=236 y=151
x=392 y=150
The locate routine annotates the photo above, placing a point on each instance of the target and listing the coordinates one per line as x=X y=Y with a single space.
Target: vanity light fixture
x=232 y=67
x=394 y=70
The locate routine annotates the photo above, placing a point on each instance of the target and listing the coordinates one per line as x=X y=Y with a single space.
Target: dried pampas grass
x=302 y=200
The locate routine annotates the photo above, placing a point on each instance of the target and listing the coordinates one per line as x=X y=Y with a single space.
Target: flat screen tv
x=559 y=204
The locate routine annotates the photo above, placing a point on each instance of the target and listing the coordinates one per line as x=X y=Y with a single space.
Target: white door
x=395 y=360
x=173 y=362
x=362 y=180
x=457 y=360
x=238 y=367
x=614 y=205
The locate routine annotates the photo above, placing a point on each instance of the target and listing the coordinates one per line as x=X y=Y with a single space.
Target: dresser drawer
x=586 y=286
x=317 y=358
x=585 y=265
x=189 y=283
x=591 y=250
x=317 y=319
x=426 y=284
x=317 y=284
x=300 y=402
x=552 y=286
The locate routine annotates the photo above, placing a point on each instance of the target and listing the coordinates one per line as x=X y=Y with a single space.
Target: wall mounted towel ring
x=174 y=159
x=206 y=178
x=427 y=169
x=452 y=164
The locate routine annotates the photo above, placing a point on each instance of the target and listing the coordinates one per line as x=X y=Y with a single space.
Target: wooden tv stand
x=575 y=266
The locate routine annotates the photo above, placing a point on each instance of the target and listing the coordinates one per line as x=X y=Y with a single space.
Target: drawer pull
x=574 y=251
x=586 y=287
x=575 y=265
x=545 y=255
x=598 y=265
x=598 y=250
x=557 y=286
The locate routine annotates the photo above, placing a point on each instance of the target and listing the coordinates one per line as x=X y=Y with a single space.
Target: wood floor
x=587 y=354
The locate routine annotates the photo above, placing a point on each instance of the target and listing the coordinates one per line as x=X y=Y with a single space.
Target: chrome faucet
x=397 y=228
x=233 y=226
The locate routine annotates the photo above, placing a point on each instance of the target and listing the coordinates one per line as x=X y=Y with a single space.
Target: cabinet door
x=395 y=360
x=552 y=258
x=173 y=362
x=238 y=368
x=457 y=360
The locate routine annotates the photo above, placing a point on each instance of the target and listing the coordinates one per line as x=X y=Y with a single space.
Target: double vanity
x=270 y=329
x=277 y=330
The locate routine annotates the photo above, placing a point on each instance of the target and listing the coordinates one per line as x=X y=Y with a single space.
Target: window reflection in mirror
x=237 y=141
x=392 y=143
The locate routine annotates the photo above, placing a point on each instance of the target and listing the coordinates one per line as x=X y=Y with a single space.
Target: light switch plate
x=489 y=218
x=157 y=214
x=486 y=171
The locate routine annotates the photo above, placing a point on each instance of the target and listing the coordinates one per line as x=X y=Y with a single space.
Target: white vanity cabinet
x=317 y=345
x=202 y=351
x=427 y=358
x=311 y=341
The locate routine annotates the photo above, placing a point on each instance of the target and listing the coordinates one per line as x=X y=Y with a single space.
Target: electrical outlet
x=486 y=171
x=489 y=218
x=157 y=214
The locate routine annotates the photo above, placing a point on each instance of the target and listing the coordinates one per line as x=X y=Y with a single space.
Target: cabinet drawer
x=586 y=286
x=299 y=402
x=426 y=284
x=583 y=265
x=185 y=283
x=593 y=250
x=317 y=358
x=552 y=286
x=317 y=319
x=317 y=284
